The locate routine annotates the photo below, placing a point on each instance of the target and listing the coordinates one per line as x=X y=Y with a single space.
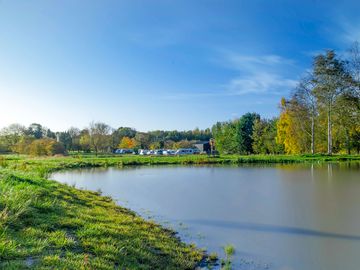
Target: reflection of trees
x=329 y=171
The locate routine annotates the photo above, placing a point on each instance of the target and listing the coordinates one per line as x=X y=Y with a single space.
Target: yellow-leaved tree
x=286 y=130
x=127 y=143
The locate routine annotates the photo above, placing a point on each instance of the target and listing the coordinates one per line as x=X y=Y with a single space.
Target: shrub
x=45 y=147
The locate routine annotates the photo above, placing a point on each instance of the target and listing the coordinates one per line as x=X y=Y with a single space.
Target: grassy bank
x=46 y=165
x=47 y=225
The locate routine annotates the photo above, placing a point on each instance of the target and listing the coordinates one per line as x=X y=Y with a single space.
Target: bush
x=46 y=147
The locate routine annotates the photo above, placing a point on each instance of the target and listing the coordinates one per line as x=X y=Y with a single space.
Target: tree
x=354 y=68
x=264 y=137
x=244 y=130
x=305 y=97
x=331 y=79
x=155 y=145
x=99 y=136
x=84 y=140
x=126 y=132
x=143 y=140
x=287 y=133
x=346 y=120
x=226 y=137
x=22 y=146
x=10 y=136
x=180 y=144
x=65 y=139
x=35 y=130
x=127 y=143
x=235 y=137
x=45 y=147
x=75 y=138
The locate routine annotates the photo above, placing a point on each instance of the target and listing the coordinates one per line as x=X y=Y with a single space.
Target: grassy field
x=47 y=165
x=48 y=225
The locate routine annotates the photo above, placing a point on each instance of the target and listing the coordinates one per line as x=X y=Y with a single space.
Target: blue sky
x=160 y=64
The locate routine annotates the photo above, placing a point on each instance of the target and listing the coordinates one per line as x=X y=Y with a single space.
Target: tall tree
x=354 y=67
x=332 y=79
x=99 y=136
x=305 y=97
x=287 y=129
x=244 y=130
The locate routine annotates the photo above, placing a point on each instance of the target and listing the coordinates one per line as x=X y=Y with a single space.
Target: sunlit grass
x=47 y=225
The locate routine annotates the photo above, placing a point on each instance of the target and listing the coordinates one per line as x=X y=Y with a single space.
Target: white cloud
x=351 y=31
x=258 y=74
x=259 y=83
x=264 y=74
x=253 y=63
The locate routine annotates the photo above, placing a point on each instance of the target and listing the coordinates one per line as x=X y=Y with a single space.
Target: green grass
x=48 y=165
x=48 y=225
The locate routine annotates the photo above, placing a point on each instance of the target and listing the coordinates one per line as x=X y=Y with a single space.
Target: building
x=203 y=146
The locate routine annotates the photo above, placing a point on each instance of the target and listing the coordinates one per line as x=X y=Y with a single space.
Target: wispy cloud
x=250 y=63
x=258 y=74
x=260 y=83
x=351 y=31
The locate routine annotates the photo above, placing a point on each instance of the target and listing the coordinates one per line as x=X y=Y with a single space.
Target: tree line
x=98 y=137
x=322 y=115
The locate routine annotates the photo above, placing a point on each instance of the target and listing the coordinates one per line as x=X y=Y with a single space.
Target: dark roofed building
x=203 y=146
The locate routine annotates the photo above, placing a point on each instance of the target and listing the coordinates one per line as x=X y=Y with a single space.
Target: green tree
x=45 y=147
x=332 y=80
x=264 y=137
x=10 y=136
x=307 y=109
x=99 y=136
x=244 y=132
x=84 y=140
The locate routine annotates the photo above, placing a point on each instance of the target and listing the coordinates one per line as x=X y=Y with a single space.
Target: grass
x=229 y=252
x=44 y=166
x=48 y=225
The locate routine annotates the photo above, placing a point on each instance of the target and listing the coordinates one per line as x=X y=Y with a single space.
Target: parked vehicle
x=184 y=151
x=143 y=152
x=158 y=152
x=124 y=151
x=169 y=152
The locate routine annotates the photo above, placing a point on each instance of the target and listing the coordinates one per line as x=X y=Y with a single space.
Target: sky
x=160 y=64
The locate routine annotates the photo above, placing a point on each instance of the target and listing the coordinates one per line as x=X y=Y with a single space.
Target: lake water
x=284 y=217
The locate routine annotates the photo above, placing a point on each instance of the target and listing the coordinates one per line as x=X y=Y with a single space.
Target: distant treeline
x=322 y=115
x=98 y=137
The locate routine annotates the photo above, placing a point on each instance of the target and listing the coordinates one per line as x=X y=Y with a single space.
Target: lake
x=303 y=217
